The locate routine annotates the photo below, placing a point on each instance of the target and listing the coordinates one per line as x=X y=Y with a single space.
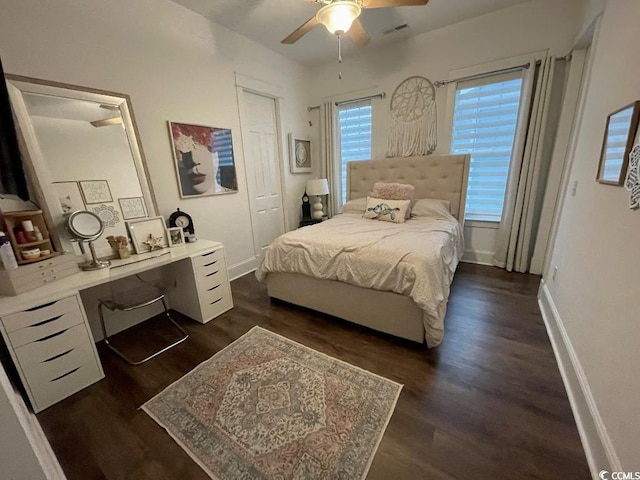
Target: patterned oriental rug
x=266 y=407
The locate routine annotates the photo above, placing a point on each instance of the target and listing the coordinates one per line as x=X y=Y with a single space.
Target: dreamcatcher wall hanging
x=413 y=119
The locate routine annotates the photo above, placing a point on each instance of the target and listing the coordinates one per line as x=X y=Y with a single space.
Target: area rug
x=266 y=407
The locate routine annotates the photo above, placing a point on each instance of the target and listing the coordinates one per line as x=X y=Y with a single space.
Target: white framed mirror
x=83 y=153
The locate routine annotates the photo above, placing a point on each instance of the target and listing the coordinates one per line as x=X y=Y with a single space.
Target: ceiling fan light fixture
x=339 y=15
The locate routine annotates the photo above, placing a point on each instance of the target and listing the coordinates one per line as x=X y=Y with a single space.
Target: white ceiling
x=269 y=21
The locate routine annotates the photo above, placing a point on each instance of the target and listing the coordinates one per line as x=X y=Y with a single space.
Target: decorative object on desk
x=619 y=135
x=299 y=153
x=69 y=196
x=632 y=180
x=182 y=220
x=176 y=236
x=203 y=157
x=95 y=191
x=108 y=215
x=16 y=222
x=132 y=207
x=264 y=383
x=120 y=245
x=318 y=187
x=306 y=208
x=147 y=234
x=86 y=226
x=413 y=119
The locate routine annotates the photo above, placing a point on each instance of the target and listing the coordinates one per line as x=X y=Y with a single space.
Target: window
x=484 y=125
x=354 y=123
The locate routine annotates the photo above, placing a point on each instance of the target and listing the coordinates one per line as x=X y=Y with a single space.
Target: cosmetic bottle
x=6 y=253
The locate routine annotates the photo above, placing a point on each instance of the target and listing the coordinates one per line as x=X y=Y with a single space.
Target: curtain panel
x=518 y=228
x=328 y=149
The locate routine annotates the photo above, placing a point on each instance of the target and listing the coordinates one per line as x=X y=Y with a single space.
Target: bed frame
x=436 y=176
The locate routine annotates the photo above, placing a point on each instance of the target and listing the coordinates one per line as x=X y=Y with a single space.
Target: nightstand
x=304 y=223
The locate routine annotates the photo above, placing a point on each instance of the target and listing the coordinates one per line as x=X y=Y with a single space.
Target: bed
x=393 y=306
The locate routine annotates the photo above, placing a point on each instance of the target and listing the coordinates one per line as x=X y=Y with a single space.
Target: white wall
x=526 y=28
x=176 y=66
x=596 y=288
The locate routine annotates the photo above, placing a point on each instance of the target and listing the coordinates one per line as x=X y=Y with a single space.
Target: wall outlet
x=574 y=189
x=555 y=273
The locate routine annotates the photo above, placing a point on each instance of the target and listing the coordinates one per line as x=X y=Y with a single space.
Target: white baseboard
x=593 y=433
x=478 y=256
x=242 y=268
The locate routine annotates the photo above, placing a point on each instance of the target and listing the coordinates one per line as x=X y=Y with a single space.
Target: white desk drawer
x=215 y=277
x=15 y=321
x=49 y=386
x=46 y=351
x=43 y=331
x=216 y=306
x=206 y=259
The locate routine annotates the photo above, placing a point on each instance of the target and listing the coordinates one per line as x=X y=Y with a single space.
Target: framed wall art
x=95 y=191
x=132 y=207
x=299 y=154
x=148 y=234
x=203 y=158
x=619 y=135
x=69 y=196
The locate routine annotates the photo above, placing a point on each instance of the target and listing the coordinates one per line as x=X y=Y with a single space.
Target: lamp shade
x=318 y=186
x=339 y=15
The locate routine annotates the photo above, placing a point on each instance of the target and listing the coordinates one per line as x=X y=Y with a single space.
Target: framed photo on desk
x=148 y=234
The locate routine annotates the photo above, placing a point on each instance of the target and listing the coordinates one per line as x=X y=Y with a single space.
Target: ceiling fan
x=341 y=16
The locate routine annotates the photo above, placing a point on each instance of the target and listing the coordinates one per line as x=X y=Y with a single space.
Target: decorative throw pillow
x=357 y=205
x=431 y=207
x=393 y=191
x=387 y=210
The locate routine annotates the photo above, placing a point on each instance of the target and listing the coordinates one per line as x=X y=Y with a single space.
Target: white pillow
x=431 y=207
x=387 y=210
x=357 y=205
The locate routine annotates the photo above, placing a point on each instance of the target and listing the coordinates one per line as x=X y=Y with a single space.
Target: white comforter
x=417 y=258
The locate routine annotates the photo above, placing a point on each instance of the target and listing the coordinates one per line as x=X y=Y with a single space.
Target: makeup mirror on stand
x=86 y=226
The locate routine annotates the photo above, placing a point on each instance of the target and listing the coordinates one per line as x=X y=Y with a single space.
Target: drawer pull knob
x=64 y=375
x=40 y=306
x=212 y=288
x=43 y=339
x=59 y=355
x=216 y=301
x=44 y=322
x=49 y=279
x=209 y=264
x=212 y=273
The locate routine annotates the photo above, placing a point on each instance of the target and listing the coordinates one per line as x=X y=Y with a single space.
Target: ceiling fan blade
x=358 y=34
x=106 y=122
x=393 y=3
x=301 y=31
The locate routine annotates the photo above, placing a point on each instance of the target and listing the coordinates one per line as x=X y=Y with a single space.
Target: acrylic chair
x=142 y=294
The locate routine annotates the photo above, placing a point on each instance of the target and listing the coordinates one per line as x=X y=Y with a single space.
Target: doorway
x=262 y=159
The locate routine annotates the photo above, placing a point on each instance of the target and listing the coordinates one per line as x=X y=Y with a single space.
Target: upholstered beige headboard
x=434 y=176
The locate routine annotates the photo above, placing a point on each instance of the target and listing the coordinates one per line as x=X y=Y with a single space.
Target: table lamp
x=318 y=187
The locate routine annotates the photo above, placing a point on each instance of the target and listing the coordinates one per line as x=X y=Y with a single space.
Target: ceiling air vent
x=396 y=29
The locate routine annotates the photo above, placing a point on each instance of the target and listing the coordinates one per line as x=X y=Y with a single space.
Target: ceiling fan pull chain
x=339 y=54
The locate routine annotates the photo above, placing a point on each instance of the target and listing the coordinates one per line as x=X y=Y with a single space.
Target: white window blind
x=354 y=122
x=484 y=125
x=617 y=134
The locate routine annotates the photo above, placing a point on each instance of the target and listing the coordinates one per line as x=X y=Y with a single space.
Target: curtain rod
x=312 y=108
x=381 y=95
x=442 y=83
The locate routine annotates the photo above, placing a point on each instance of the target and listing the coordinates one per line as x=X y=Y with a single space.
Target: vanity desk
x=47 y=331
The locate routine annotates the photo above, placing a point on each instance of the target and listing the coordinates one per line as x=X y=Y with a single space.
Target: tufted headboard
x=434 y=176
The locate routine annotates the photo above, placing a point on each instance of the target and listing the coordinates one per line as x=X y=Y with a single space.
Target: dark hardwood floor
x=487 y=404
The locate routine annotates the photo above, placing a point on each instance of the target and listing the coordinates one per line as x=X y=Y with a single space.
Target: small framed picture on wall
x=299 y=153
